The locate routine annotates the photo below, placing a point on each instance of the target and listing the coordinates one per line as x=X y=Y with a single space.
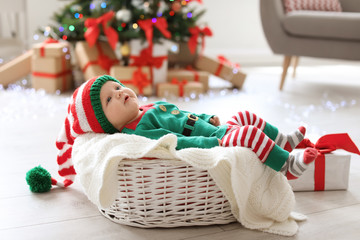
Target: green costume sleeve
x=183 y=141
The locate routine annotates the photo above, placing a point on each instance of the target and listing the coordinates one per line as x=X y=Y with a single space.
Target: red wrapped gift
x=330 y=170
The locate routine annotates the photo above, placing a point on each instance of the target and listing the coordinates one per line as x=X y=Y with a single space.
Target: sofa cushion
x=336 y=25
x=312 y=5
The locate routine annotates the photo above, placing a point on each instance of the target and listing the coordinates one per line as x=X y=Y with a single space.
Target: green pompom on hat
x=39 y=180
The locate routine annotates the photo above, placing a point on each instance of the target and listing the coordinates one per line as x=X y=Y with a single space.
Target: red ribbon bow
x=193 y=41
x=181 y=85
x=146 y=59
x=103 y=61
x=326 y=144
x=224 y=61
x=46 y=42
x=140 y=80
x=93 y=31
x=148 y=27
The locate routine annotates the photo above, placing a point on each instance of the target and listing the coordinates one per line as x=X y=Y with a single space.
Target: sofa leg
x=295 y=64
x=286 y=64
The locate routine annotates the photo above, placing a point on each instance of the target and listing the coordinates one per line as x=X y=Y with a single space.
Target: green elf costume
x=245 y=129
x=161 y=118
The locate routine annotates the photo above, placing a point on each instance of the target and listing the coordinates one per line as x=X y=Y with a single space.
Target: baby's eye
x=108 y=99
x=117 y=87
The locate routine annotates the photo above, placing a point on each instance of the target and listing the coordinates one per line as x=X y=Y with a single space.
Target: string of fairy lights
x=72 y=27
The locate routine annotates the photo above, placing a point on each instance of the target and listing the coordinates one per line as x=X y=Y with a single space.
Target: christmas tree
x=125 y=18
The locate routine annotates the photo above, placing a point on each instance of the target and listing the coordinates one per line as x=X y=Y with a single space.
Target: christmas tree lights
x=180 y=15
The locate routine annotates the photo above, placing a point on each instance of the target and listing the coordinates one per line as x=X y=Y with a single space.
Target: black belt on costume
x=189 y=125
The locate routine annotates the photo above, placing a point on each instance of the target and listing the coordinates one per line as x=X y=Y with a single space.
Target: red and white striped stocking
x=287 y=142
x=250 y=137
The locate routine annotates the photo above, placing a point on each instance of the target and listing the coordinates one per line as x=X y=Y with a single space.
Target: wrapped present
x=96 y=60
x=51 y=48
x=179 y=88
x=156 y=58
x=51 y=74
x=150 y=54
x=222 y=68
x=186 y=53
x=330 y=170
x=334 y=176
x=136 y=78
x=179 y=55
x=16 y=69
x=51 y=67
x=190 y=75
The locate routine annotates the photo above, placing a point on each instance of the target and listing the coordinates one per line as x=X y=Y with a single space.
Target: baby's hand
x=215 y=121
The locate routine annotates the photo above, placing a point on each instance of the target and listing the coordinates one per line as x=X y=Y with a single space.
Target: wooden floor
x=324 y=98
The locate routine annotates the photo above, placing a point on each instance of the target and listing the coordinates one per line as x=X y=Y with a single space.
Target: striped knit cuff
x=271 y=131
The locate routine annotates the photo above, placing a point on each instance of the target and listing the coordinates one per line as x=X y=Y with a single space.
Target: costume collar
x=134 y=124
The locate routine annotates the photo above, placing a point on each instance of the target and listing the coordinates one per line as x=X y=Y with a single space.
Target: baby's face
x=120 y=104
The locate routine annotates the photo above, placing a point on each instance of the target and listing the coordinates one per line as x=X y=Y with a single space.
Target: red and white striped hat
x=84 y=115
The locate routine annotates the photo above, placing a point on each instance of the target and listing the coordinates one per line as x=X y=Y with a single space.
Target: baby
x=104 y=105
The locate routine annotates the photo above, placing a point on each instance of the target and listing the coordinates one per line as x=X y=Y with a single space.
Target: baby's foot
x=289 y=142
x=297 y=163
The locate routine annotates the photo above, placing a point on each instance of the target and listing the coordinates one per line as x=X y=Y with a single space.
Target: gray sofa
x=317 y=34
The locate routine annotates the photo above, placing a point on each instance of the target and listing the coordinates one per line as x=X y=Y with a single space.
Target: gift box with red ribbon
x=179 y=56
x=156 y=58
x=330 y=170
x=222 y=68
x=179 y=88
x=96 y=60
x=135 y=78
x=190 y=75
x=51 y=66
x=146 y=53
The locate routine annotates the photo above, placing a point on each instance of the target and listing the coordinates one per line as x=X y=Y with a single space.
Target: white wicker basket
x=167 y=193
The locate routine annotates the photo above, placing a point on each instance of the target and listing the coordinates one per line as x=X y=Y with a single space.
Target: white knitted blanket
x=260 y=198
